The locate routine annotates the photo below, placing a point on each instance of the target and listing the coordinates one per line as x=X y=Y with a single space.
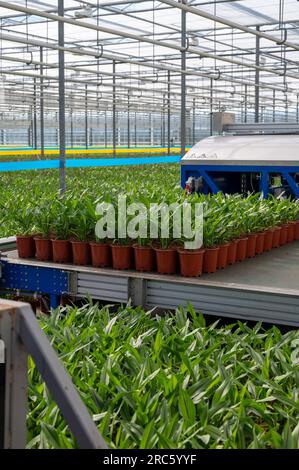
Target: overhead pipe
x=182 y=6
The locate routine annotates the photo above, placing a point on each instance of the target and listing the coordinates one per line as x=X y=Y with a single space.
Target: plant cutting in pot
x=211 y=239
x=144 y=255
x=43 y=224
x=61 y=246
x=122 y=254
x=81 y=229
x=24 y=219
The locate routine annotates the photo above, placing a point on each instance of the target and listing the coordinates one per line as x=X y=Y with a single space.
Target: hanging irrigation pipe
x=217 y=76
x=77 y=23
x=150 y=65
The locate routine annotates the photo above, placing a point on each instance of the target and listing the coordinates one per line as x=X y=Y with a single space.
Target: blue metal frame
x=265 y=171
x=51 y=281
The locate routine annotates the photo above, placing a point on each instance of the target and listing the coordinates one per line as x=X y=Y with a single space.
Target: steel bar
x=114 y=109
x=61 y=98
x=183 y=81
x=168 y=111
x=41 y=109
x=257 y=78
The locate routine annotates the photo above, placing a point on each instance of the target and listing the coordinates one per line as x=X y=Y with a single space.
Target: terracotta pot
x=210 y=261
x=62 y=251
x=81 y=253
x=43 y=249
x=251 y=245
x=241 y=249
x=222 y=256
x=260 y=241
x=291 y=231
x=232 y=253
x=283 y=234
x=26 y=246
x=144 y=258
x=100 y=255
x=167 y=260
x=268 y=242
x=297 y=230
x=122 y=257
x=276 y=237
x=191 y=262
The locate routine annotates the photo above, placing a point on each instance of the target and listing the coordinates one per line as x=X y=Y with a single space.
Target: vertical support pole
x=72 y=129
x=114 y=110
x=105 y=128
x=128 y=119
x=34 y=115
x=42 y=121
x=183 y=81
x=246 y=104
x=274 y=104
x=150 y=128
x=86 y=118
x=135 y=129
x=193 y=123
x=16 y=383
x=2 y=393
x=163 y=124
x=211 y=105
x=257 y=78
x=61 y=97
x=168 y=112
x=297 y=108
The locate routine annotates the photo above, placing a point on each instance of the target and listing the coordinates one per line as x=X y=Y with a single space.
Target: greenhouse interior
x=149 y=226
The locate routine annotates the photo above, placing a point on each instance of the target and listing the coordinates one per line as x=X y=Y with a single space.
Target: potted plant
x=24 y=218
x=144 y=255
x=210 y=244
x=43 y=224
x=100 y=253
x=122 y=254
x=61 y=246
x=82 y=225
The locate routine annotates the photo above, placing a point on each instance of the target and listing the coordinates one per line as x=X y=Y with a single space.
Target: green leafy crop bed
x=20 y=189
x=171 y=381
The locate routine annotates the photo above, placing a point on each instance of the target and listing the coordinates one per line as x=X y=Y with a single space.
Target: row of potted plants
x=235 y=228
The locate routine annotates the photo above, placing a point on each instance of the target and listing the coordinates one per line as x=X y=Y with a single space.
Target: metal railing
x=21 y=335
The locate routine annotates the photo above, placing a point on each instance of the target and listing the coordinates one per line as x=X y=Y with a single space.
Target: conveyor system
x=261 y=289
x=245 y=158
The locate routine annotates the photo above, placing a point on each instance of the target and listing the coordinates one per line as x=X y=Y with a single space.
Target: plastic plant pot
x=242 y=249
x=100 y=255
x=268 y=243
x=81 y=253
x=232 y=253
x=25 y=246
x=43 y=248
x=122 y=257
x=144 y=258
x=222 y=256
x=62 y=251
x=297 y=230
x=260 y=241
x=167 y=260
x=283 y=234
x=276 y=237
x=191 y=262
x=210 y=262
x=251 y=245
x=291 y=231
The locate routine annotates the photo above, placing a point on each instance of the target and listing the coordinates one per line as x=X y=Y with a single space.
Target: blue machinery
x=245 y=158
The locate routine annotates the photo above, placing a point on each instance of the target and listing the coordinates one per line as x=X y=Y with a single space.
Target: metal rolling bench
x=265 y=288
x=20 y=335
